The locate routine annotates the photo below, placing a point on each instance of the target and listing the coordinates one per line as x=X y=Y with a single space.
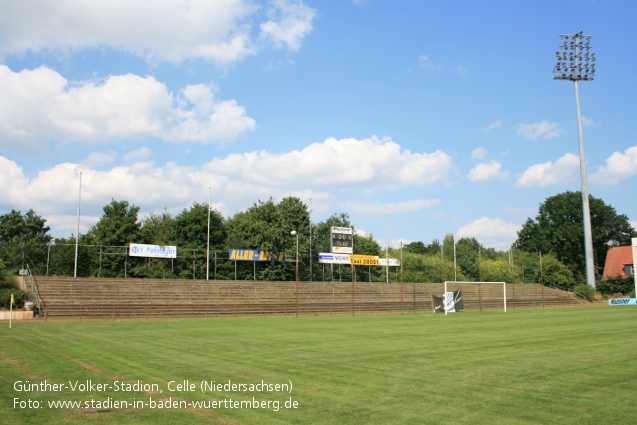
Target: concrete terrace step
x=113 y=298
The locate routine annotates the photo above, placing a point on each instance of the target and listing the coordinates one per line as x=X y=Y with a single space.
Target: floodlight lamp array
x=575 y=61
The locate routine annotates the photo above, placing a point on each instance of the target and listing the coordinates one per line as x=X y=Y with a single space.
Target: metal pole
x=310 y=239
x=574 y=63
x=386 y=249
x=297 y=274
x=208 y=245
x=77 y=238
x=588 y=237
x=455 y=269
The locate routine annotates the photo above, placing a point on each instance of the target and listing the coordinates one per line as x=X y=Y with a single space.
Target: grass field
x=561 y=366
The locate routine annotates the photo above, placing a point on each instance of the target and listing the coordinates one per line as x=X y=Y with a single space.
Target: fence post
x=479 y=297
x=414 y=297
x=513 y=295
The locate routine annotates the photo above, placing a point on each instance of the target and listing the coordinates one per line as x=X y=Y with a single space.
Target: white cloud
x=141 y=153
x=40 y=105
x=634 y=224
x=549 y=173
x=167 y=30
x=491 y=232
x=378 y=208
x=479 y=153
x=236 y=181
x=289 y=22
x=588 y=122
x=97 y=159
x=345 y=163
x=542 y=129
x=427 y=63
x=619 y=167
x=494 y=125
x=461 y=70
x=487 y=172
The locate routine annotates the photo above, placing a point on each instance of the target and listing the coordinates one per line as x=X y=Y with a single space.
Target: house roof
x=616 y=258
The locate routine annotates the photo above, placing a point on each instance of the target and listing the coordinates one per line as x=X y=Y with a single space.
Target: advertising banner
x=154 y=251
x=622 y=301
x=364 y=260
x=334 y=258
x=253 y=255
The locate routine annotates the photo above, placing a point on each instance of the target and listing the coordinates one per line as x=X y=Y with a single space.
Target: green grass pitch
x=540 y=366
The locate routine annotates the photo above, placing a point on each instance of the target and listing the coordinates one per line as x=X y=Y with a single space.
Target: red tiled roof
x=616 y=258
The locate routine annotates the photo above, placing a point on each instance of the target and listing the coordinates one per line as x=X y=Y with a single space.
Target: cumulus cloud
x=487 y=172
x=491 y=232
x=563 y=171
x=97 y=159
x=290 y=22
x=479 y=153
x=619 y=167
x=236 y=180
x=169 y=30
x=542 y=129
x=40 y=105
x=345 y=163
x=141 y=153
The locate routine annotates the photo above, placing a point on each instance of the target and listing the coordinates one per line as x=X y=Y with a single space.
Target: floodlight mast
x=575 y=62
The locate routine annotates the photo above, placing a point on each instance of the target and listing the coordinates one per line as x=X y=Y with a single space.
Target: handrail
x=33 y=286
x=566 y=289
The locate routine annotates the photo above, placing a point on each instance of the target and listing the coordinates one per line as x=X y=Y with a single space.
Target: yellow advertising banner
x=364 y=260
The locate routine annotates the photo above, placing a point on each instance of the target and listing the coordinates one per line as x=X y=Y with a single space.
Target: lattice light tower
x=576 y=62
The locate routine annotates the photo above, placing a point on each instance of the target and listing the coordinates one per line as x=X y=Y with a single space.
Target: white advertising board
x=155 y=251
x=334 y=258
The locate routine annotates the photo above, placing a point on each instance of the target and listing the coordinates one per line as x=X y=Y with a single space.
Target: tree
x=190 y=233
x=558 y=229
x=116 y=229
x=23 y=238
x=266 y=226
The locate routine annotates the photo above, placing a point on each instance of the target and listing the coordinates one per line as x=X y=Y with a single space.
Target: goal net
x=471 y=295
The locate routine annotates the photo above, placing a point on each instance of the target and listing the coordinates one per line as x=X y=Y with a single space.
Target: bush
x=625 y=285
x=586 y=291
x=8 y=286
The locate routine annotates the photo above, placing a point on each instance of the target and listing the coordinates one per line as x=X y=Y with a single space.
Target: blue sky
x=442 y=113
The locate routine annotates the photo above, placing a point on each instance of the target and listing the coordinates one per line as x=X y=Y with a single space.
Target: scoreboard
x=342 y=240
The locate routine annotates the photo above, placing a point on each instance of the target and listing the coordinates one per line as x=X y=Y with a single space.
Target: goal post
x=455 y=284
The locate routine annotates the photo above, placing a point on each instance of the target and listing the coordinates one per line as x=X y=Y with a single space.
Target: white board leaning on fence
x=154 y=251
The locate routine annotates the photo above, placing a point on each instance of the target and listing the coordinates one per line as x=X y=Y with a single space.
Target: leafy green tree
x=24 y=238
x=190 y=230
x=417 y=247
x=62 y=257
x=558 y=229
x=427 y=268
x=110 y=237
x=499 y=271
x=555 y=273
x=267 y=226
